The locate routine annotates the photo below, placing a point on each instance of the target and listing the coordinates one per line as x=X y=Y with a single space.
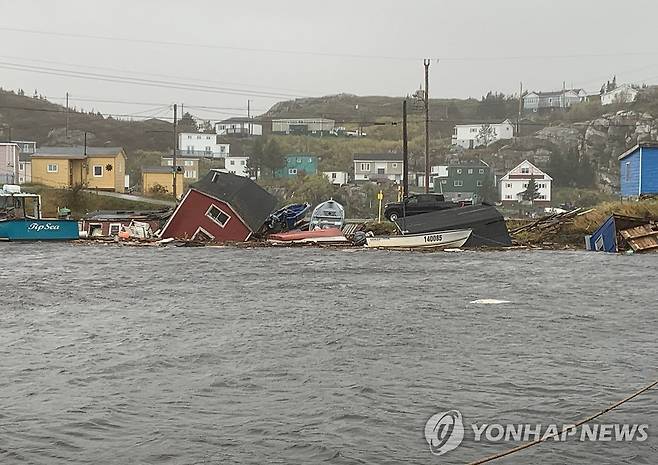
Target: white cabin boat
x=437 y=239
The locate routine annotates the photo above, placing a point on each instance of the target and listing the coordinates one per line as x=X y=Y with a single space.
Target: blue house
x=638 y=170
x=299 y=164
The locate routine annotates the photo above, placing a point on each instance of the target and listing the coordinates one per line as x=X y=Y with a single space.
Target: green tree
x=273 y=158
x=256 y=157
x=187 y=124
x=488 y=192
x=532 y=191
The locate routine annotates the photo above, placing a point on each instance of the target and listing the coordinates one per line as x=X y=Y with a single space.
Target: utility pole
x=67 y=116
x=518 y=118
x=405 y=152
x=249 y=115
x=175 y=163
x=426 y=62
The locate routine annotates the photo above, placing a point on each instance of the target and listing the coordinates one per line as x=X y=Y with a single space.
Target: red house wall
x=191 y=214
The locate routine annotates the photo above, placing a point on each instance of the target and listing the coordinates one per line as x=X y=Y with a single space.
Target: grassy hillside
x=28 y=118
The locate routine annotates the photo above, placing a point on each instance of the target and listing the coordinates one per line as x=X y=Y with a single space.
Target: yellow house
x=101 y=168
x=158 y=178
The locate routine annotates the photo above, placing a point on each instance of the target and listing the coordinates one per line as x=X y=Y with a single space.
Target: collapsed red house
x=220 y=207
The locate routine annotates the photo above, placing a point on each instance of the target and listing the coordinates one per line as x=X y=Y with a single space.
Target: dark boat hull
x=488 y=225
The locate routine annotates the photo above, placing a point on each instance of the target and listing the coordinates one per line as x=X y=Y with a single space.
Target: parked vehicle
x=416 y=204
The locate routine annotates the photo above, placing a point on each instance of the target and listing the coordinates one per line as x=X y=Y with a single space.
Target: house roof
x=553 y=93
x=253 y=203
x=636 y=147
x=378 y=157
x=507 y=175
x=76 y=152
x=237 y=119
x=108 y=215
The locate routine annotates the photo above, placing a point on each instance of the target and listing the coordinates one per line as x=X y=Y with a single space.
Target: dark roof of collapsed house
x=253 y=203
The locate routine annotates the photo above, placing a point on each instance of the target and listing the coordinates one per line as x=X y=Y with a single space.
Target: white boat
x=438 y=239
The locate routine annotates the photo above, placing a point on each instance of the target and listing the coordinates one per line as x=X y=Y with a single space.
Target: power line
x=77 y=66
x=207 y=46
x=141 y=81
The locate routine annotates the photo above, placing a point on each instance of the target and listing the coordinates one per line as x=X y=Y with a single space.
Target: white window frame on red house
x=109 y=231
x=201 y=230
x=215 y=220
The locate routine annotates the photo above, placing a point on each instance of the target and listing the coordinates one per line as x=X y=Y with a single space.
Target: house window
x=217 y=215
x=525 y=170
x=98 y=171
x=333 y=175
x=292 y=171
x=242 y=162
x=458 y=183
x=508 y=185
x=525 y=186
x=198 y=137
x=190 y=149
x=481 y=171
x=208 y=149
x=395 y=165
x=170 y=162
x=232 y=162
x=190 y=174
x=479 y=183
x=542 y=197
x=21 y=166
x=53 y=168
x=508 y=197
x=365 y=166
x=470 y=171
x=628 y=171
x=115 y=228
x=189 y=163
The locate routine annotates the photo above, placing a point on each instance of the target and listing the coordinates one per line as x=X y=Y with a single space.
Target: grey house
x=378 y=167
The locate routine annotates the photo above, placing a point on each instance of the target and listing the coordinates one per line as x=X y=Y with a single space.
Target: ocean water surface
x=120 y=355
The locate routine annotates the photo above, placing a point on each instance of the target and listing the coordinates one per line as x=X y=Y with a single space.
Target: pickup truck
x=416 y=204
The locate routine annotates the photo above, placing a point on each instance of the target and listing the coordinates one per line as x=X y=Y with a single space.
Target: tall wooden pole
x=518 y=118
x=175 y=162
x=426 y=62
x=67 y=117
x=405 y=152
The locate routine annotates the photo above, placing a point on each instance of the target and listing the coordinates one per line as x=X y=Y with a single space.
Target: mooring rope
x=581 y=422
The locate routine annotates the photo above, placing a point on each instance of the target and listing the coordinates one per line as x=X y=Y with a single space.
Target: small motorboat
x=303 y=237
x=329 y=214
x=21 y=219
x=288 y=217
x=438 y=239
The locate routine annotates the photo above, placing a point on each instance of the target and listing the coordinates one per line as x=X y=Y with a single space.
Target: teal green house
x=297 y=165
x=463 y=181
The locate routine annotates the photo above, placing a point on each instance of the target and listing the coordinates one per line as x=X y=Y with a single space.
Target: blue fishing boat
x=21 y=220
x=288 y=217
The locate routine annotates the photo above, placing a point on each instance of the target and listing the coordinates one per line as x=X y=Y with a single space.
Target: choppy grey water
x=115 y=355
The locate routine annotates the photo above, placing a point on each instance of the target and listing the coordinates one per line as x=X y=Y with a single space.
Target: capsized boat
x=21 y=220
x=329 y=214
x=288 y=217
x=436 y=239
x=312 y=236
x=486 y=223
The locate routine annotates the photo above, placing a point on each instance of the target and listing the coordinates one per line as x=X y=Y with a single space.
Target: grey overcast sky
x=221 y=53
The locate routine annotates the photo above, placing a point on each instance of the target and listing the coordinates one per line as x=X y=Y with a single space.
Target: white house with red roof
x=515 y=183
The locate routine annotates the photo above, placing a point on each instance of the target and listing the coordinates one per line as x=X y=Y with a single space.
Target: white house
x=515 y=183
x=621 y=94
x=239 y=126
x=560 y=99
x=24 y=168
x=470 y=136
x=336 y=177
x=302 y=125
x=236 y=165
x=201 y=145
